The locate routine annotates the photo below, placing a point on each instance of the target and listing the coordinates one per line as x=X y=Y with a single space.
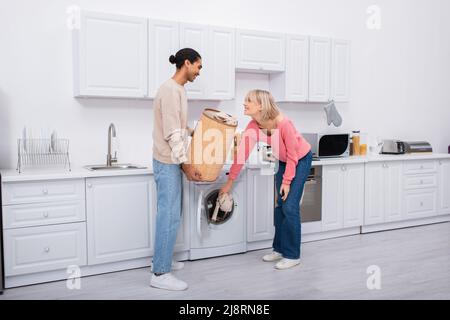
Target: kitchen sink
x=123 y=166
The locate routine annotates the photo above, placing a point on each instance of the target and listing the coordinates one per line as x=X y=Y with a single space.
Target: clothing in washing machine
x=214 y=214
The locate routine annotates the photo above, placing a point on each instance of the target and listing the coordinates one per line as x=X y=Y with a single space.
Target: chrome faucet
x=109 y=158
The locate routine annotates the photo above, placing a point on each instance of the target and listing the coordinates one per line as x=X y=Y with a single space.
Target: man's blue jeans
x=168 y=178
x=287 y=213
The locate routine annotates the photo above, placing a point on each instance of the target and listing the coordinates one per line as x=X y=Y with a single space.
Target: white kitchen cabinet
x=420 y=189
x=383 y=192
x=30 y=215
x=44 y=248
x=340 y=70
x=163 y=41
x=319 y=69
x=119 y=220
x=260 y=206
x=41 y=191
x=260 y=51
x=221 y=68
x=292 y=85
x=195 y=36
x=110 y=56
x=343 y=196
x=444 y=186
x=216 y=47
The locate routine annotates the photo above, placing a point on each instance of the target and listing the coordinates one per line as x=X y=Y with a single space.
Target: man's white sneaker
x=274 y=256
x=286 y=263
x=168 y=281
x=177 y=265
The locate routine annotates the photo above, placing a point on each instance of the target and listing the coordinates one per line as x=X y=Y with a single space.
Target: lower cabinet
x=444 y=186
x=118 y=212
x=44 y=248
x=383 y=192
x=343 y=196
x=260 y=206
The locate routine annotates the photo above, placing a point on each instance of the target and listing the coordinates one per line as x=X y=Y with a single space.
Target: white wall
x=399 y=79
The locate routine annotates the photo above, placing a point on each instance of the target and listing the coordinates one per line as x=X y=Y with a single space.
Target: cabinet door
x=319 y=69
x=444 y=186
x=374 y=193
x=260 y=51
x=221 y=59
x=292 y=85
x=195 y=36
x=392 y=190
x=353 y=195
x=110 y=56
x=163 y=41
x=44 y=248
x=332 y=197
x=118 y=218
x=340 y=70
x=260 y=210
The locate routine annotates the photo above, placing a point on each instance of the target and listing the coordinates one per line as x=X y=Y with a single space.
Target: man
x=170 y=133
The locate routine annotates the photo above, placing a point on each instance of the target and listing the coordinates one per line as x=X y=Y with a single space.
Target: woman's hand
x=284 y=191
x=226 y=187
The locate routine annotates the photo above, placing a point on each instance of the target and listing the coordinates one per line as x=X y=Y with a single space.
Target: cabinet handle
x=45 y=191
x=421 y=203
x=45 y=214
x=47 y=249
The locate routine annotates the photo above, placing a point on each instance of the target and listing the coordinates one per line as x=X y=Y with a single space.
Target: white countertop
x=28 y=174
x=11 y=175
x=365 y=159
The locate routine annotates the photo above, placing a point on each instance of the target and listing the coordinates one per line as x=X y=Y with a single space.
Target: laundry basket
x=211 y=142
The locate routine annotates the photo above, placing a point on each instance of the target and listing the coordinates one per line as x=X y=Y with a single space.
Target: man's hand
x=191 y=173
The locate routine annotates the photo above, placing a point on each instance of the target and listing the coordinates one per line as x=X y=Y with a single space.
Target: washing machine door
x=208 y=208
x=213 y=214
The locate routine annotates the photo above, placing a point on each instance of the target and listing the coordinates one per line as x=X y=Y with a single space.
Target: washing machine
x=217 y=233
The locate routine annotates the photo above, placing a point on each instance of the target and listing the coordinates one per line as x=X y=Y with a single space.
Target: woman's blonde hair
x=262 y=97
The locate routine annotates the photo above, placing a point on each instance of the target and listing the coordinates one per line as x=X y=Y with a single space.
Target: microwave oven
x=325 y=145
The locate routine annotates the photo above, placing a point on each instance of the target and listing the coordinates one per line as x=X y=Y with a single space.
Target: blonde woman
x=269 y=125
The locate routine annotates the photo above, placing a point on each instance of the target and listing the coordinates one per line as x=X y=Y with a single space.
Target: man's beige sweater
x=170 y=129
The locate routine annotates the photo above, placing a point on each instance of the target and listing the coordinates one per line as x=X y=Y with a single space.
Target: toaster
x=393 y=147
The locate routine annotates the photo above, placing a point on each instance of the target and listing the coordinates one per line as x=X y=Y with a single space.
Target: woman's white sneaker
x=286 y=263
x=274 y=256
x=168 y=281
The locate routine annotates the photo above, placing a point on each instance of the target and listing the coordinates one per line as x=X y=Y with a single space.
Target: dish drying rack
x=42 y=153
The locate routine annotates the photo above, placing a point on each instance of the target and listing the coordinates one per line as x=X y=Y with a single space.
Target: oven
x=311 y=201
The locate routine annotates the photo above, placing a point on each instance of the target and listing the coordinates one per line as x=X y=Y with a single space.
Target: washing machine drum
x=212 y=208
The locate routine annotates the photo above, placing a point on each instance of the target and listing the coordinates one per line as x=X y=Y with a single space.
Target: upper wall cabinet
x=216 y=46
x=340 y=70
x=110 y=56
x=292 y=85
x=260 y=51
x=163 y=41
x=319 y=69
